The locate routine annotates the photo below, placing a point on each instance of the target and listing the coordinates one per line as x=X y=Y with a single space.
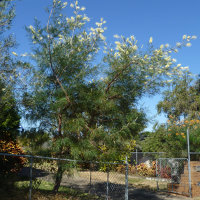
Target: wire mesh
x=174 y=172
x=42 y=176
x=143 y=164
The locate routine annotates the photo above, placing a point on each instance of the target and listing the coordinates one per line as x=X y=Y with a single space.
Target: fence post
x=189 y=169
x=107 y=185
x=31 y=174
x=90 y=176
x=160 y=169
x=171 y=177
x=157 y=174
x=136 y=159
x=126 y=180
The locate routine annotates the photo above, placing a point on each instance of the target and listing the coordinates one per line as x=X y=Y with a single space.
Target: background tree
x=34 y=141
x=9 y=117
x=162 y=140
x=181 y=104
x=7 y=42
x=182 y=99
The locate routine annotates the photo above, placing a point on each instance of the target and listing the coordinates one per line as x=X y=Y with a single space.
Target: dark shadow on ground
x=36 y=173
x=115 y=192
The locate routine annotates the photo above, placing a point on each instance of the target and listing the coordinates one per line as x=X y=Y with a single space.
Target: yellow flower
x=188 y=44
x=161 y=46
x=150 y=40
x=184 y=37
x=14 y=53
x=167 y=45
x=194 y=37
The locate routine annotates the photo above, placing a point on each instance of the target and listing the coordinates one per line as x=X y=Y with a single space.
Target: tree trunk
x=60 y=171
x=58 y=179
x=59 y=124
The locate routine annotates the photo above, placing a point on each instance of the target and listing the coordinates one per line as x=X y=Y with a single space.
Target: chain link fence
x=174 y=173
x=34 y=177
x=39 y=177
x=144 y=163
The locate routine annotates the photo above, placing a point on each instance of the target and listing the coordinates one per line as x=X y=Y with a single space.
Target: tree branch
x=51 y=62
x=116 y=77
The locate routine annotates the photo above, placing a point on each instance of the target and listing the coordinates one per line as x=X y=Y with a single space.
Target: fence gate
x=174 y=174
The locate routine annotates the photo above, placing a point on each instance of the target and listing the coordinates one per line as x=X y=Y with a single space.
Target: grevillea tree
x=87 y=106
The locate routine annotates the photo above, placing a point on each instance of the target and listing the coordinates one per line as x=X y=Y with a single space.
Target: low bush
x=165 y=172
x=10 y=164
x=144 y=170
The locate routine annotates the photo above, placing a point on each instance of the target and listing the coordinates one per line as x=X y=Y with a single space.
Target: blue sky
x=165 y=20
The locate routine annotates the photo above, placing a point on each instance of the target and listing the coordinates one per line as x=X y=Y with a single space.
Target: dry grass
x=117 y=178
x=142 y=183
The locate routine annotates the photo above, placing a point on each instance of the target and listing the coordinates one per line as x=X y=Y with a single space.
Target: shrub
x=143 y=169
x=10 y=164
x=121 y=168
x=132 y=169
x=165 y=172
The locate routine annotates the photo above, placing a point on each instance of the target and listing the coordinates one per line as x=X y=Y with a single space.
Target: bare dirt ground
x=98 y=185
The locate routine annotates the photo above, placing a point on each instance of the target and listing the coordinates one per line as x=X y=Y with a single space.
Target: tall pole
x=126 y=179
x=31 y=174
x=189 y=168
x=107 y=184
x=136 y=157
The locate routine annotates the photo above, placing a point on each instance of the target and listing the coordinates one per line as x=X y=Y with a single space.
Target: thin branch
x=117 y=76
x=51 y=62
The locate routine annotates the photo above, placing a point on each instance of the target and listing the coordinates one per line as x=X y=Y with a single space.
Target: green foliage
x=36 y=141
x=173 y=139
x=181 y=103
x=159 y=141
x=81 y=115
x=7 y=42
x=46 y=165
x=81 y=111
x=182 y=99
x=9 y=117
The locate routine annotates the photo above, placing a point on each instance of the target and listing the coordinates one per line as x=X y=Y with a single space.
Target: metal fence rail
x=109 y=180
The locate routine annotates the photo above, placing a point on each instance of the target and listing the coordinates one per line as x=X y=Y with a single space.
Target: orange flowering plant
x=10 y=164
x=172 y=138
x=177 y=129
